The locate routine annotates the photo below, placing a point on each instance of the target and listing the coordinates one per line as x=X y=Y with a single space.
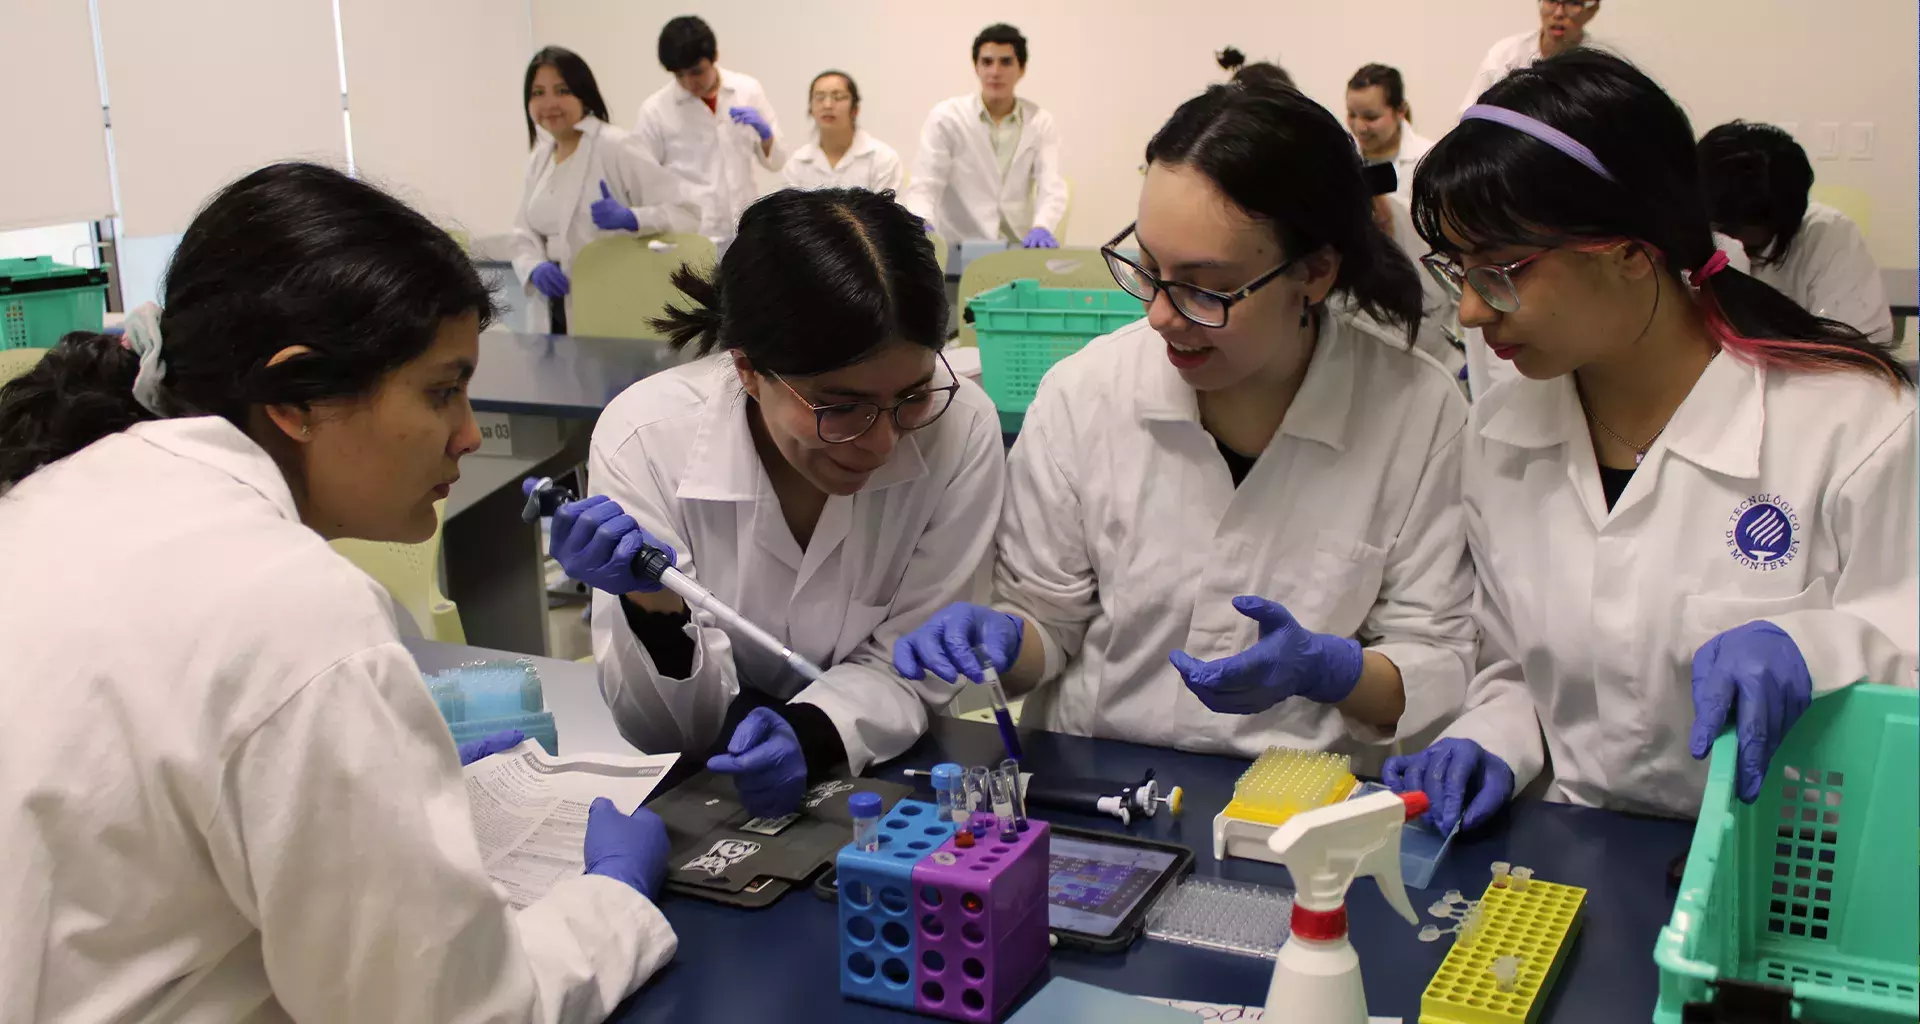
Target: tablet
x=1101 y=884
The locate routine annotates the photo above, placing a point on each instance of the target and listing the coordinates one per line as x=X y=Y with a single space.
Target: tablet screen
x=1094 y=886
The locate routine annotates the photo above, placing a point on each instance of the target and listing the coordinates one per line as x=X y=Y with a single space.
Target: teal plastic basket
x=1815 y=885
x=42 y=301
x=1023 y=329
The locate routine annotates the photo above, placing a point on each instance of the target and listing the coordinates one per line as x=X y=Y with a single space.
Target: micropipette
x=1002 y=717
x=544 y=497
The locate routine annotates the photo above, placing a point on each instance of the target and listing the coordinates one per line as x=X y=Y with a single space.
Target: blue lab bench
x=777 y=963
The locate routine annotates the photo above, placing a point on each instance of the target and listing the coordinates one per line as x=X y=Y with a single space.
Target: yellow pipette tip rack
x=1536 y=925
x=1278 y=785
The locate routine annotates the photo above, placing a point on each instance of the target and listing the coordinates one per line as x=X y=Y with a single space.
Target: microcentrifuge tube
x=1506 y=972
x=1521 y=876
x=1429 y=933
x=1500 y=869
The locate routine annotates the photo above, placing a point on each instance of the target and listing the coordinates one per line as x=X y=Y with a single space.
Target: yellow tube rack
x=1537 y=925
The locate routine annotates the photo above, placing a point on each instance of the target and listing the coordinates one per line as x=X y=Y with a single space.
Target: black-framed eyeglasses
x=850 y=421
x=1203 y=306
x=1494 y=282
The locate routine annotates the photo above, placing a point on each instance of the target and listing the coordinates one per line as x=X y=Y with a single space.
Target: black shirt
x=1238 y=465
x=1613 y=482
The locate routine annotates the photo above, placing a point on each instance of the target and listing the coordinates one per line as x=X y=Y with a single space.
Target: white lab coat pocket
x=1337 y=584
x=1705 y=616
x=857 y=628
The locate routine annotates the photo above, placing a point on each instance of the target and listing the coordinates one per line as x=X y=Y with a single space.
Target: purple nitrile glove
x=1040 y=238
x=944 y=645
x=630 y=848
x=752 y=119
x=1289 y=660
x=1464 y=784
x=594 y=540
x=768 y=769
x=609 y=214
x=474 y=750
x=549 y=280
x=1756 y=672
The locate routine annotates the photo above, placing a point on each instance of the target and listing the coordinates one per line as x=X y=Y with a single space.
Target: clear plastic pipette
x=544 y=498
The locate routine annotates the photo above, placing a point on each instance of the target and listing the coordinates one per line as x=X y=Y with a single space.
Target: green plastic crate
x=42 y=301
x=1023 y=329
x=1816 y=884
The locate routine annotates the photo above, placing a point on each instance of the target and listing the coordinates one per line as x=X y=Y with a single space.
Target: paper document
x=530 y=811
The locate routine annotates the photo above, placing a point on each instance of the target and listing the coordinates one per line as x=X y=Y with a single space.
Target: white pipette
x=544 y=498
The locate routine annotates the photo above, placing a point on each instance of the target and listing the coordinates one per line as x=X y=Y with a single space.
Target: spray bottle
x=1316 y=977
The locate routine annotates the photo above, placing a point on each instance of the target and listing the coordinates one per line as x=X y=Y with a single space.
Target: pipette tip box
x=1279 y=784
x=1537 y=925
x=483 y=698
x=946 y=931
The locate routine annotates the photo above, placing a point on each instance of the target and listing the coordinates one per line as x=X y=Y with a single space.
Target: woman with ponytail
x=1236 y=523
x=228 y=794
x=1696 y=509
x=820 y=469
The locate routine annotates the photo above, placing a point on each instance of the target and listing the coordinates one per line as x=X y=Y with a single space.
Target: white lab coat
x=1413 y=146
x=1124 y=539
x=1510 y=55
x=230 y=797
x=709 y=149
x=660 y=202
x=956 y=177
x=1590 y=618
x=675 y=451
x=1829 y=270
x=868 y=163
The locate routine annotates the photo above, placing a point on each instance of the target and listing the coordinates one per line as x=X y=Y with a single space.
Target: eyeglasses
x=1494 y=282
x=1571 y=5
x=1203 y=306
x=850 y=421
x=831 y=97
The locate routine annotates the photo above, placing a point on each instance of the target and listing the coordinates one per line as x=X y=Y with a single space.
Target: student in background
x=710 y=125
x=989 y=162
x=1563 y=27
x=1382 y=123
x=1698 y=508
x=584 y=178
x=1757 y=178
x=1236 y=523
x=240 y=803
x=842 y=154
x=821 y=470
x=1265 y=73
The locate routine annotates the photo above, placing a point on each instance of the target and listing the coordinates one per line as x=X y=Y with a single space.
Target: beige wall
x=1112 y=70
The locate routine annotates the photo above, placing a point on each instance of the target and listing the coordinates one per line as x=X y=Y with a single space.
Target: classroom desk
x=737 y=965
x=549 y=389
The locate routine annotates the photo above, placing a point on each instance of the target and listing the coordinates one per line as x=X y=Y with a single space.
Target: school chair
x=940 y=253
x=15 y=362
x=1854 y=202
x=411 y=573
x=1053 y=268
x=621 y=283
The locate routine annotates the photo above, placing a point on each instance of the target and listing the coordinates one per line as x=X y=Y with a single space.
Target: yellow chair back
x=619 y=284
x=411 y=573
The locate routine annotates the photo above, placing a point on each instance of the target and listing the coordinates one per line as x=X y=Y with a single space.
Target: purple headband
x=1540 y=130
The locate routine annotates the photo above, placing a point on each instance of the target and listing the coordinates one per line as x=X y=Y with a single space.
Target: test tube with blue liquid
x=865 y=808
x=996 y=695
x=975 y=781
